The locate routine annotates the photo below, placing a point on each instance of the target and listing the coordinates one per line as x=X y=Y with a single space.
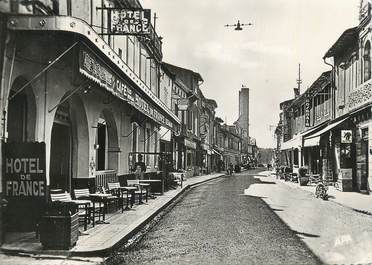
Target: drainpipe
x=333 y=88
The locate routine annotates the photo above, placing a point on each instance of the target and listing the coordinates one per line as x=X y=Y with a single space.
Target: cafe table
x=127 y=189
x=103 y=198
x=148 y=182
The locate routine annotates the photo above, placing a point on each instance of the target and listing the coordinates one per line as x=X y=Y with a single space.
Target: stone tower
x=244 y=109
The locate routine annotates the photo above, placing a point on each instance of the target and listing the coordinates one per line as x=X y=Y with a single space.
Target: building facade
x=327 y=128
x=93 y=100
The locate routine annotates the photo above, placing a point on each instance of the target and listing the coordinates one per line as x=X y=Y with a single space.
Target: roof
x=323 y=80
x=212 y=102
x=174 y=69
x=169 y=72
x=287 y=102
x=348 y=37
x=319 y=84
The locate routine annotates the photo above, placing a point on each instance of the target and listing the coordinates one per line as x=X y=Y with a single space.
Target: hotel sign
x=129 y=21
x=24 y=183
x=93 y=68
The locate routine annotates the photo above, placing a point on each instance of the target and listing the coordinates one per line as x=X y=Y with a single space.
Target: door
x=364 y=165
x=60 y=157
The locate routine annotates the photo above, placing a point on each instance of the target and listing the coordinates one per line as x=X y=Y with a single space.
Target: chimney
x=296 y=92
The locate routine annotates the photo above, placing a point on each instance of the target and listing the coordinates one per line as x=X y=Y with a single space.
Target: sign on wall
x=346 y=136
x=307 y=112
x=24 y=183
x=93 y=68
x=130 y=21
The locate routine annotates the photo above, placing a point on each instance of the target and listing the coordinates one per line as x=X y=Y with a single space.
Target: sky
x=263 y=57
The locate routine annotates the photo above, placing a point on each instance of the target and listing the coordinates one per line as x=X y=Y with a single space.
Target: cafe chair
x=139 y=192
x=96 y=208
x=115 y=189
x=83 y=208
x=112 y=199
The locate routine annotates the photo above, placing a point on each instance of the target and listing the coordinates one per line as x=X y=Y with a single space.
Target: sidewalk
x=358 y=201
x=101 y=239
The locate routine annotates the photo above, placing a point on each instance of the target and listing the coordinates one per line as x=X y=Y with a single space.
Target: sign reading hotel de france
x=130 y=21
x=24 y=183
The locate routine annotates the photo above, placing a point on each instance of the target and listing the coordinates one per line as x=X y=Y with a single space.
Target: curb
x=104 y=252
x=366 y=212
x=135 y=230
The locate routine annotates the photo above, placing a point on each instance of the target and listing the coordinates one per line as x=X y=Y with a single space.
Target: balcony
x=360 y=96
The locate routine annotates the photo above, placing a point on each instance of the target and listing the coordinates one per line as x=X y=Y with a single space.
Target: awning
x=295 y=142
x=314 y=139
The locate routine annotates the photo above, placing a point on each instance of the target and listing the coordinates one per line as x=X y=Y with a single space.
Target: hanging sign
x=130 y=21
x=183 y=104
x=307 y=112
x=346 y=136
x=24 y=183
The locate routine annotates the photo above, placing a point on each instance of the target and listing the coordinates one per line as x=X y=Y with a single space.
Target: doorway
x=364 y=161
x=61 y=150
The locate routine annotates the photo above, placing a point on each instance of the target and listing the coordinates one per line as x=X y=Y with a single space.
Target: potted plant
x=303 y=177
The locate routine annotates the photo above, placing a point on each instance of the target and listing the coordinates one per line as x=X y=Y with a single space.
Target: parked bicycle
x=321 y=190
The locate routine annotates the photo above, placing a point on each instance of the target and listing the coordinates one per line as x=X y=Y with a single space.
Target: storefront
x=191 y=157
x=363 y=149
x=334 y=152
x=69 y=90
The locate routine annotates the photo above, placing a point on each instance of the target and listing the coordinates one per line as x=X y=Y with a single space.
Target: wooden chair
x=139 y=192
x=95 y=208
x=116 y=189
x=112 y=199
x=66 y=197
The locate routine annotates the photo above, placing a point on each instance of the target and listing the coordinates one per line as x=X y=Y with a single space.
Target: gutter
x=333 y=87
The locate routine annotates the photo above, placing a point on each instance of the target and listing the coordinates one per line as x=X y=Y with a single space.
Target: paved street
x=335 y=233
x=216 y=223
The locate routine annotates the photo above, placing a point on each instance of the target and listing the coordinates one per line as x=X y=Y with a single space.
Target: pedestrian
x=139 y=168
x=230 y=169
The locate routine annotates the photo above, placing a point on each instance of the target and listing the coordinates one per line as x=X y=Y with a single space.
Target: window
x=176 y=110
x=147 y=143
x=137 y=56
x=120 y=52
x=134 y=137
x=131 y=53
x=367 y=61
x=143 y=65
x=189 y=120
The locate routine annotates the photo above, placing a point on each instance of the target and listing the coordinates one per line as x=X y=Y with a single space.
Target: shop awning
x=295 y=142
x=314 y=139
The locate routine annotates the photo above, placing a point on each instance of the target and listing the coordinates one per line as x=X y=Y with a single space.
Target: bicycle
x=321 y=190
x=337 y=185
